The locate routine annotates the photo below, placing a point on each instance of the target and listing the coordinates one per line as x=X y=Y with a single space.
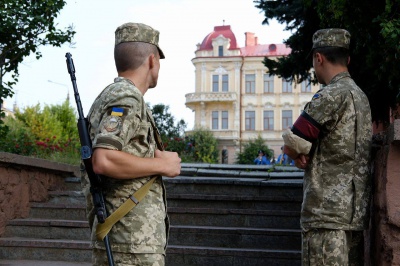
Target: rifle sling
x=103 y=229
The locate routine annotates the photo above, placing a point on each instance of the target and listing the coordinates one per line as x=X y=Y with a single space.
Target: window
x=250 y=123
x=215 y=83
x=286 y=119
x=215 y=119
x=250 y=80
x=305 y=86
x=268 y=83
x=225 y=83
x=220 y=50
x=268 y=120
x=216 y=80
x=224 y=115
x=286 y=86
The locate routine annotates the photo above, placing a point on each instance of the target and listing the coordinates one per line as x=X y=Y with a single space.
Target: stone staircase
x=220 y=215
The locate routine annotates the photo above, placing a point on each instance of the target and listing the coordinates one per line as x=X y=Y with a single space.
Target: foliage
x=250 y=151
x=26 y=25
x=203 y=146
x=172 y=134
x=165 y=122
x=375 y=49
x=50 y=133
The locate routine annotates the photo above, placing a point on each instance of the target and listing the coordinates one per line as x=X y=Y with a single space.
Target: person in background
x=284 y=159
x=261 y=159
x=331 y=140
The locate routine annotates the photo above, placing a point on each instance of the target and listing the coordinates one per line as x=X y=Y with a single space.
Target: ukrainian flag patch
x=117 y=111
x=316 y=96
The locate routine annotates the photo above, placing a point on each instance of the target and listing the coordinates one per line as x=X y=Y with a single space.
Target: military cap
x=137 y=32
x=331 y=38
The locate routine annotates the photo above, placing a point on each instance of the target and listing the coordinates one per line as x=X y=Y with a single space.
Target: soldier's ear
x=152 y=60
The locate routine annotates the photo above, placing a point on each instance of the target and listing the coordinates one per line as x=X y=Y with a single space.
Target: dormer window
x=220 y=50
x=221 y=46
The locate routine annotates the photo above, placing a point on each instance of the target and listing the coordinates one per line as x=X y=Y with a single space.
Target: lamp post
x=61 y=84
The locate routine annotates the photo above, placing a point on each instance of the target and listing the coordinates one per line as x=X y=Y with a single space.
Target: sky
x=182 y=25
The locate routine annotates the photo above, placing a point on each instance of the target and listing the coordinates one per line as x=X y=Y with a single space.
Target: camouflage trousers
x=332 y=247
x=99 y=258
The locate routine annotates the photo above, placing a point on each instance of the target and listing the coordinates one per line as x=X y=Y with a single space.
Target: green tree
x=172 y=134
x=25 y=26
x=250 y=151
x=49 y=133
x=375 y=49
x=203 y=146
x=165 y=122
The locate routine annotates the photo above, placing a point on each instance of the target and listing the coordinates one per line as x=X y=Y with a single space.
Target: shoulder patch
x=316 y=96
x=117 y=111
x=111 y=124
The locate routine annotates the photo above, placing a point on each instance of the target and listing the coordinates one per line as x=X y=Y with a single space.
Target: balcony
x=210 y=97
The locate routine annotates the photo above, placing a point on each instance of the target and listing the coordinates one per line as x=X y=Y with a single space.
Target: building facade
x=236 y=98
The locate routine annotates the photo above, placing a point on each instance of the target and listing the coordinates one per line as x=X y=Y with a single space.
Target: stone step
x=73 y=183
x=63 y=211
x=72 y=197
x=48 y=229
x=18 y=248
x=234 y=218
x=195 y=256
x=235 y=237
x=180 y=235
x=278 y=201
x=42 y=263
x=292 y=189
x=269 y=202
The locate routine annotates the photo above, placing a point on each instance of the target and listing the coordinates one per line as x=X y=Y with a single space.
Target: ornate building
x=236 y=98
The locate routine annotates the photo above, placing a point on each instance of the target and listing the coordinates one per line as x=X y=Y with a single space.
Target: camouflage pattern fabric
x=337 y=183
x=126 y=259
x=332 y=247
x=137 y=32
x=331 y=38
x=120 y=120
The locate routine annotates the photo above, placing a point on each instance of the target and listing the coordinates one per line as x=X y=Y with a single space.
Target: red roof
x=265 y=50
x=219 y=30
x=253 y=49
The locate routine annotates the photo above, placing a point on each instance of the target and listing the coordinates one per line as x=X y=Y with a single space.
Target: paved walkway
x=41 y=263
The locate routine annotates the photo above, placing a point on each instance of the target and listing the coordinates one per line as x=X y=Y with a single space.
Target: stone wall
x=385 y=229
x=24 y=180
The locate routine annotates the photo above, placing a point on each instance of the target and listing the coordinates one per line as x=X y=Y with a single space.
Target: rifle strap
x=103 y=229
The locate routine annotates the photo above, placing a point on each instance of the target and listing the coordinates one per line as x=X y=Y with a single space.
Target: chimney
x=250 y=39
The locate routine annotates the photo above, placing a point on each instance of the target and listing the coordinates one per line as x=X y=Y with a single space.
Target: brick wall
x=385 y=222
x=24 y=180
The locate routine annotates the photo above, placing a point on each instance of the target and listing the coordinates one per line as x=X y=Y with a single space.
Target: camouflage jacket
x=336 y=189
x=119 y=119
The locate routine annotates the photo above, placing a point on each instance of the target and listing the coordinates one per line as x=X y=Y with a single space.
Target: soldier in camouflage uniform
x=125 y=152
x=331 y=140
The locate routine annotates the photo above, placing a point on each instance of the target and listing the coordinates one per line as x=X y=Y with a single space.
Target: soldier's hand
x=301 y=161
x=170 y=161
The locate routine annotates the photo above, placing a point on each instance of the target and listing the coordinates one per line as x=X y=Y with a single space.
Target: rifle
x=86 y=155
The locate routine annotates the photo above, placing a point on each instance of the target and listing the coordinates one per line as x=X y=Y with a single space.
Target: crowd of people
x=263 y=159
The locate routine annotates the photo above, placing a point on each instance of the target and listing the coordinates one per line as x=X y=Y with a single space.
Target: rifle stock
x=86 y=155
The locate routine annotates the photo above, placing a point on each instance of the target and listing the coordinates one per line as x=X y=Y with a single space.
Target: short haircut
x=131 y=55
x=335 y=55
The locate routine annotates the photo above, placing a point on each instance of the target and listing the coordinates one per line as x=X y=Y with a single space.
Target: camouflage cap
x=331 y=38
x=137 y=32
